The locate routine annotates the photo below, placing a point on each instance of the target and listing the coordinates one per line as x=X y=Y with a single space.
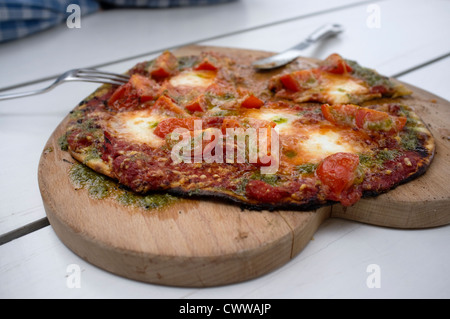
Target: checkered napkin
x=19 y=18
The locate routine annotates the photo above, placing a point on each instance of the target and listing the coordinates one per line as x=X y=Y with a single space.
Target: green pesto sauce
x=378 y=159
x=409 y=136
x=241 y=187
x=77 y=113
x=99 y=187
x=365 y=160
x=290 y=153
x=270 y=179
x=62 y=142
x=387 y=155
x=409 y=140
x=307 y=168
x=368 y=75
x=280 y=120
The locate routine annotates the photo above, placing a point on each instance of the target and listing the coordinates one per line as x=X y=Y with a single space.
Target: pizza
x=309 y=134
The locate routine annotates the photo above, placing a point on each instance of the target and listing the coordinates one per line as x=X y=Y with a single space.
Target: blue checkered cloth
x=19 y=18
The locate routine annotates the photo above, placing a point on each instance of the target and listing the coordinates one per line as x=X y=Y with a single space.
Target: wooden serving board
x=204 y=243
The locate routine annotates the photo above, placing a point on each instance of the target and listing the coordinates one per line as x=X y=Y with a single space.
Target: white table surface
x=411 y=42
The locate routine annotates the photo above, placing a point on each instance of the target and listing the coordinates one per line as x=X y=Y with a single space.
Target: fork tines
x=94 y=75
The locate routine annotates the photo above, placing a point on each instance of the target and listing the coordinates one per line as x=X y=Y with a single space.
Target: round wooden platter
x=194 y=243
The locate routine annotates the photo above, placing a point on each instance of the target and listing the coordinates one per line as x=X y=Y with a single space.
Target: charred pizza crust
x=121 y=135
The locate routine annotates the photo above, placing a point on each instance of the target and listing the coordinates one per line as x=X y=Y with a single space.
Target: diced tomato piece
x=165 y=103
x=139 y=89
x=168 y=125
x=159 y=73
x=164 y=65
x=195 y=106
x=209 y=62
x=119 y=93
x=124 y=97
x=145 y=88
x=338 y=171
x=399 y=122
x=206 y=65
x=290 y=83
x=341 y=114
x=252 y=102
x=335 y=64
x=264 y=192
x=374 y=120
x=301 y=80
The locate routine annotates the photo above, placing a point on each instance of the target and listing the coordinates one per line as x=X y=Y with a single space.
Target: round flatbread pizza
x=309 y=134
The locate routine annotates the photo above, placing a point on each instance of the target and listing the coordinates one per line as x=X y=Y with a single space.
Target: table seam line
x=24 y=230
x=421 y=65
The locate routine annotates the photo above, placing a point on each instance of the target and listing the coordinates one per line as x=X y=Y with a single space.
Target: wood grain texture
x=195 y=243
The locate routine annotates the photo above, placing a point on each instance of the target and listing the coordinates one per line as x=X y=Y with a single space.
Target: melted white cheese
x=138 y=127
x=282 y=118
x=321 y=144
x=340 y=89
x=201 y=79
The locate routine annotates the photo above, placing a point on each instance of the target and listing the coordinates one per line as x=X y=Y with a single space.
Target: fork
x=85 y=75
x=291 y=54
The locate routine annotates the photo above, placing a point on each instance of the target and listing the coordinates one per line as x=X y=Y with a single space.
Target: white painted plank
x=36 y=266
x=410 y=32
x=117 y=34
x=412 y=264
x=431 y=78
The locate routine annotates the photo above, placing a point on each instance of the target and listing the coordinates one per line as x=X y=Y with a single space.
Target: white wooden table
x=405 y=39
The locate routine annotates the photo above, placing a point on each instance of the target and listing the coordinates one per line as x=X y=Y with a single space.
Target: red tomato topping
x=195 y=106
x=139 y=89
x=363 y=118
x=290 y=82
x=342 y=114
x=206 y=65
x=120 y=93
x=145 y=87
x=167 y=105
x=338 y=171
x=335 y=64
x=209 y=62
x=168 y=125
x=379 y=121
x=164 y=65
x=300 y=80
x=229 y=123
x=252 y=102
x=263 y=192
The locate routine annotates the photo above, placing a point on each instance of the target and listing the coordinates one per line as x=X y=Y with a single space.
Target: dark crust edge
x=311 y=204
